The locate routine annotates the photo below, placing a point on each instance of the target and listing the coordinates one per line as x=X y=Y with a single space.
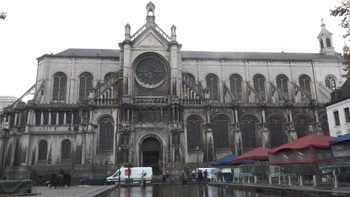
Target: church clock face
x=150 y=72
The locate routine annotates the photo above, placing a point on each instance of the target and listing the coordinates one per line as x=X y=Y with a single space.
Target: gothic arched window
x=65 y=149
x=189 y=75
x=108 y=76
x=330 y=83
x=221 y=130
x=106 y=134
x=59 y=87
x=282 y=84
x=194 y=132
x=85 y=86
x=213 y=86
x=277 y=135
x=236 y=86
x=259 y=85
x=324 y=124
x=42 y=150
x=301 y=126
x=248 y=133
x=325 y=127
x=305 y=84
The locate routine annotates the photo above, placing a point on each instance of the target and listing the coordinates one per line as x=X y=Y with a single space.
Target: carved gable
x=150 y=40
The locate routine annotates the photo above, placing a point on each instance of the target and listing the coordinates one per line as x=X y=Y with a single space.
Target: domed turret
x=326 y=40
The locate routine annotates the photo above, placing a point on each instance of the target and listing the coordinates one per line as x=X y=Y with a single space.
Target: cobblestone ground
x=73 y=191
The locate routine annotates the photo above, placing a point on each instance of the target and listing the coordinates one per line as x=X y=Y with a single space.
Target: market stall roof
x=227 y=160
x=257 y=154
x=308 y=149
x=317 y=141
x=340 y=139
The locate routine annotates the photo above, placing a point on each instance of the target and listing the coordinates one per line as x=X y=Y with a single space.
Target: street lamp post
x=106 y=163
x=197 y=156
x=119 y=149
x=5 y=128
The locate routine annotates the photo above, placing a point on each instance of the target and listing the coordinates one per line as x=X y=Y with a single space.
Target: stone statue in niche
x=177 y=155
x=124 y=138
x=176 y=138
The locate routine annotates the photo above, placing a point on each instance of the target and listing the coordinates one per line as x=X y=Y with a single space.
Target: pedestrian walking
x=193 y=176
x=167 y=175
x=199 y=176
x=164 y=177
x=205 y=173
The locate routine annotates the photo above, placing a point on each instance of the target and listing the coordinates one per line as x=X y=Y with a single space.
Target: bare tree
x=343 y=11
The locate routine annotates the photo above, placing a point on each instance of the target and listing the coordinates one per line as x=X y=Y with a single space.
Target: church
x=149 y=103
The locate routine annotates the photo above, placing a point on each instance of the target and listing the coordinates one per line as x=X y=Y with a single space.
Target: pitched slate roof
x=89 y=53
x=253 y=55
x=340 y=94
x=205 y=55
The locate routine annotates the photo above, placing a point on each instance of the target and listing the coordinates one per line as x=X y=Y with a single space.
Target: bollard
x=289 y=181
x=300 y=180
x=255 y=179
x=248 y=177
x=144 y=183
x=335 y=181
x=270 y=180
x=314 y=180
x=279 y=179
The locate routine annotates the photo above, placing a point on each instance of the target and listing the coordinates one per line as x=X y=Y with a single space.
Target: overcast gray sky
x=37 y=27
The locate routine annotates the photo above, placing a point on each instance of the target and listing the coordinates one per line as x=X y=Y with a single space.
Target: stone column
x=126 y=65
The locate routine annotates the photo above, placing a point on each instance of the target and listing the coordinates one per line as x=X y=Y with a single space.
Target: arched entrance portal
x=150 y=153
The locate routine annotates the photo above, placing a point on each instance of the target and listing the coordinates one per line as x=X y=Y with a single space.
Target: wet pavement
x=74 y=191
x=324 y=189
x=105 y=190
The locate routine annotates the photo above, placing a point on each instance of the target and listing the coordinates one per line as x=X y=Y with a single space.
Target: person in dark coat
x=164 y=177
x=167 y=175
x=200 y=176
x=205 y=173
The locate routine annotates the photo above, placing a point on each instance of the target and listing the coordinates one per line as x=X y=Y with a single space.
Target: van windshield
x=117 y=173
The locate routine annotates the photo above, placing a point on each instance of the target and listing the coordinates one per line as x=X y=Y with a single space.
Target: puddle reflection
x=185 y=191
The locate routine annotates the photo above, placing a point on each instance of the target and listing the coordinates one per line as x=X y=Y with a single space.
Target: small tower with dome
x=325 y=40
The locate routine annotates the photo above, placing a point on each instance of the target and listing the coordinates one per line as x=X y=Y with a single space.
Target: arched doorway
x=150 y=154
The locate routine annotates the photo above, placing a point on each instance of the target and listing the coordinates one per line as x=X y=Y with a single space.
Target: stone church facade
x=151 y=104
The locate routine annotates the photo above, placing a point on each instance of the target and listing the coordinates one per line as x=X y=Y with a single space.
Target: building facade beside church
x=338 y=111
x=150 y=103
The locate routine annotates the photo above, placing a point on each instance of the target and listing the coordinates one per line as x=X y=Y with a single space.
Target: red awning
x=308 y=149
x=257 y=154
x=317 y=141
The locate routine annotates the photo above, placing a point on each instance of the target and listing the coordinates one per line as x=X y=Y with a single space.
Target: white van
x=211 y=173
x=135 y=174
